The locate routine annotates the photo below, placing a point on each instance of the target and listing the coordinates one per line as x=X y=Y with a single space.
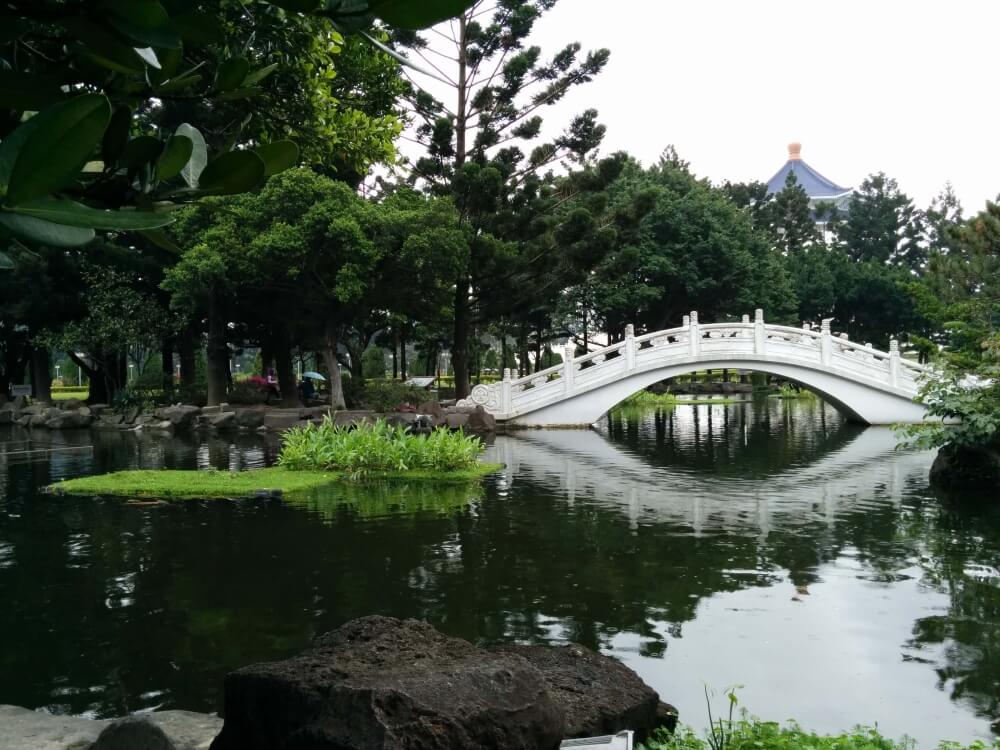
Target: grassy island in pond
x=311 y=457
x=179 y=484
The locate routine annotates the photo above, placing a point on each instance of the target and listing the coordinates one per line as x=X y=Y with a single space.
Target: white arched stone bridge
x=869 y=385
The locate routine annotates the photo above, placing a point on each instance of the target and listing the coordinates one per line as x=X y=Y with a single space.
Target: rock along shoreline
x=378 y=682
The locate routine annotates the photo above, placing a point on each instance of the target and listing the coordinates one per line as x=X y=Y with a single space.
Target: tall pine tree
x=475 y=143
x=883 y=225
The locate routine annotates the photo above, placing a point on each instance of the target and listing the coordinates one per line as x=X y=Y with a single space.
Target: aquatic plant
x=754 y=734
x=377 y=447
x=648 y=398
x=750 y=733
x=788 y=390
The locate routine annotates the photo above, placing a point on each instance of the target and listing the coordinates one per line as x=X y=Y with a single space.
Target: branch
x=444 y=75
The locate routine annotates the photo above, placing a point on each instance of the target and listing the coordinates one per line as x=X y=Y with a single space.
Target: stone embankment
x=379 y=683
x=181 y=418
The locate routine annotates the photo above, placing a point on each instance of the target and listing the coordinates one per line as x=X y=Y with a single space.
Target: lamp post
x=131 y=366
x=57 y=372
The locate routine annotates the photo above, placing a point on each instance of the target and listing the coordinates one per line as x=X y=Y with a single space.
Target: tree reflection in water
x=637 y=532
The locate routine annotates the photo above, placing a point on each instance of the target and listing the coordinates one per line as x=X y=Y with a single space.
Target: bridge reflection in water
x=683 y=487
x=773 y=545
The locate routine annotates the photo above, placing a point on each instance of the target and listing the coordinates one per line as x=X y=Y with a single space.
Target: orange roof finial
x=794 y=151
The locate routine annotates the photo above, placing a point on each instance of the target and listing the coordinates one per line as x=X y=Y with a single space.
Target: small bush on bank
x=387 y=395
x=248 y=392
x=376 y=448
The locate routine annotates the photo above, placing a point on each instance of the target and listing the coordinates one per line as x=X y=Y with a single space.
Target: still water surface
x=768 y=544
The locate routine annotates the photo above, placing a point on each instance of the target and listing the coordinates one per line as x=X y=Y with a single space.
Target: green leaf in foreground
x=73 y=214
x=115 y=138
x=231 y=73
x=45 y=232
x=28 y=91
x=410 y=15
x=278 y=156
x=232 y=172
x=59 y=143
x=175 y=155
x=191 y=171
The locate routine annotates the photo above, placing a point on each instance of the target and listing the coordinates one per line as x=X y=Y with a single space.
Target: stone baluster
x=506 y=392
x=894 y=363
x=694 y=335
x=744 y=334
x=630 y=347
x=826 y=342
x=759 y=334
x=869 y=356
x=569 y=367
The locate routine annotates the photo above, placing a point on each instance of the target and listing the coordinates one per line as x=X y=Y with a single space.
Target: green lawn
x=167 y=483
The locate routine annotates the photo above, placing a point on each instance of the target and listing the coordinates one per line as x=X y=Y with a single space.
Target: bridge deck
x=872 y=385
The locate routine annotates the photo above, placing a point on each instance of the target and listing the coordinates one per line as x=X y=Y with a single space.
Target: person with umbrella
x=306 y=389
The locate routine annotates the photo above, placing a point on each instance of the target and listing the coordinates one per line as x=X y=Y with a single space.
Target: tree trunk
x=395 y=354
x=266 y=357
x=330 y=358
x=402 y=355
x=460 y=346
x=286 y=371
x=503 y=353
x=187 y=350
x=41 y=374
x=217 y=352
x=524 y=363
x=167 y=365
x=539 y=364
x=98 y=387
x=15 y=363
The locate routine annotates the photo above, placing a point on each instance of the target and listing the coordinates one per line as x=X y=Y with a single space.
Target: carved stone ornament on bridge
x=487 y=396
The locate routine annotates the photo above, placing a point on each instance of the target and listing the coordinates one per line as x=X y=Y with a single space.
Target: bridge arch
x=869 y=385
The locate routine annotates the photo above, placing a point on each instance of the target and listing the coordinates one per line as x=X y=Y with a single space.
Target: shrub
x=375 y=448
x=247 y=392
x=971 y=405
x=354 y=391
x=387 y=395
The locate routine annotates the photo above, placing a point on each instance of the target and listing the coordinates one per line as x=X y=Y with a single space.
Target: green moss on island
x=180 y=484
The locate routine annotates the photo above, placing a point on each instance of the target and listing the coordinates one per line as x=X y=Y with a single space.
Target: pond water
x=768 y=544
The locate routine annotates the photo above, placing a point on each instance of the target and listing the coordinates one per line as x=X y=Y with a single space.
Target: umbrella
x=314 y=375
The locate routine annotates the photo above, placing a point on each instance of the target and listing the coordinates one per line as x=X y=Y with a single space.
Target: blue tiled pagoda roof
x=816 y=185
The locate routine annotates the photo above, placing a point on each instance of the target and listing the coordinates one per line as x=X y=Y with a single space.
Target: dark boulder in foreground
x=966 y=468
x=378 y=682
x=598 y=694
x=133 y=733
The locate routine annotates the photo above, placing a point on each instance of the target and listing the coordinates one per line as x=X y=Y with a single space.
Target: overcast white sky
x=905 y=87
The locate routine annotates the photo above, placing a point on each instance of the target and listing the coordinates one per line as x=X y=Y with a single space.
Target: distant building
x=817 y=187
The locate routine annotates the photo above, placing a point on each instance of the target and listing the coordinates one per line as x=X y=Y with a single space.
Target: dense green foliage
x=378 y=447
x=964 y=299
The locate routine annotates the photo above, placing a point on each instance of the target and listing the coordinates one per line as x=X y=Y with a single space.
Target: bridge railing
x=693 y=339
